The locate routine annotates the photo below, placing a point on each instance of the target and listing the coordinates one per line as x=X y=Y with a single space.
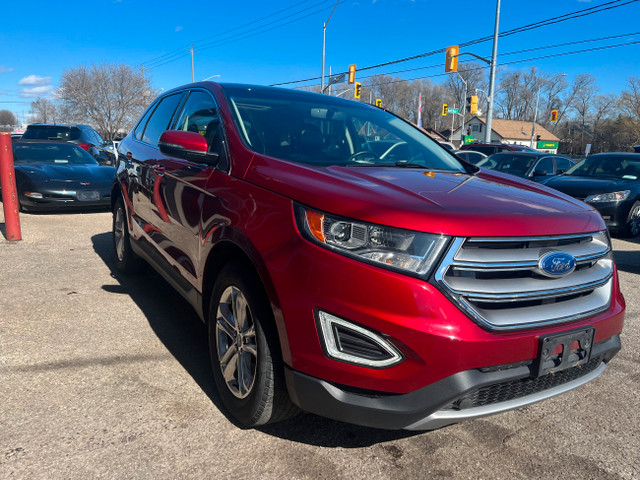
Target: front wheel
x=244 y=350
x=633 y=221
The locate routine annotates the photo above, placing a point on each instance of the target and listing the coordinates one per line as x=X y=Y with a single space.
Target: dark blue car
x=610 y=182
x=534 y=166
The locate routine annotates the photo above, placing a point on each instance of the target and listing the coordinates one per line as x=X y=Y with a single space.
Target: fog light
x=33 y=194
x=348 y=342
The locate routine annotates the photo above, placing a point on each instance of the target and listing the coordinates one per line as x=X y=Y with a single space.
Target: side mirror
x=539 y=173
x=187 y=145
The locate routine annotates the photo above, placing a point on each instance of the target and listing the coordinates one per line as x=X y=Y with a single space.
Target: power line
x=257 y=31
x=542 y=57
x=163 y=56
x=561 y=18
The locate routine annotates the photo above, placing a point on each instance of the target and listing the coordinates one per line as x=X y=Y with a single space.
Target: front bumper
x=614 y=214
x=463 y=396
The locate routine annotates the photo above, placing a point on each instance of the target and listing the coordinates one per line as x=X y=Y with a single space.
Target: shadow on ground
x=629 y=260
x=179 y=328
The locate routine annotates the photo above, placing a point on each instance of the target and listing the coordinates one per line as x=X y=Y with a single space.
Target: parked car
x=470 y=156
x=392 y=287
x=534 y=166
x=82 y=135
x=59 y=175
x=610 y=182
x=491 y=148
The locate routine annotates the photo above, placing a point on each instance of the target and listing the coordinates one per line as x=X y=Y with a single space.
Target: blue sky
x=265 y=42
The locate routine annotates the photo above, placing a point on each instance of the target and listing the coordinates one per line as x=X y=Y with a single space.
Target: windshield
x=513 y=163
x=608 y=166
x=321 y=130
x=51 y=132
x=51 y=153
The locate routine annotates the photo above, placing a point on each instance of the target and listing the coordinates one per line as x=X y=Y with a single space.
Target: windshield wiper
x=409 y=165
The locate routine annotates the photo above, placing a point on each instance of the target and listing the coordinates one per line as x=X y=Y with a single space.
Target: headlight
x=394 y=248
x=608 y=197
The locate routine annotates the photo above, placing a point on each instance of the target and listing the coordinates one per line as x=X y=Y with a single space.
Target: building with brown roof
x=510 y=131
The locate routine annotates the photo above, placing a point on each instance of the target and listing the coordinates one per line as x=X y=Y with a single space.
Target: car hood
x=95 y=175
x=581 y=187
x=484 y=204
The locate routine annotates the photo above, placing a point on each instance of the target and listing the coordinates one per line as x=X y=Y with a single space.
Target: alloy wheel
x=634 y=222
x=236 y=342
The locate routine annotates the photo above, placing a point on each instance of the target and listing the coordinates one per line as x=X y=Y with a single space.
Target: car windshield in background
x=323 y=131
x=608 y=166
x=51 y=132
x=513 y=163
x=51 y=153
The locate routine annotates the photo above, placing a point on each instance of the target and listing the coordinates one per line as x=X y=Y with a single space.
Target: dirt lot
x=105 y=376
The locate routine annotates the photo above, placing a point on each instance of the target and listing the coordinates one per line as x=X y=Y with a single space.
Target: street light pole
x=324 y=36
x=535 y=116
x=535 y=112
x=464 y=109
x=492 y=75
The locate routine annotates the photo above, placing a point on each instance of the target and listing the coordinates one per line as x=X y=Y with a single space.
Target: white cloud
x=36 y=91
x=35 y=80
x=178 y=28
x=4 y=69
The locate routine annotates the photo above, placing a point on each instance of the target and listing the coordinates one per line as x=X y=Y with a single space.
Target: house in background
x=509 y=131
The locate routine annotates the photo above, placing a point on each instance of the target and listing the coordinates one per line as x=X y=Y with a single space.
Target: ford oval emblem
x=556 y=264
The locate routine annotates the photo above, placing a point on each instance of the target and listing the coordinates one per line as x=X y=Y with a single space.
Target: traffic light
x=378 y=102
x=357 y=90
x=554 y=116
x=474 y=104
x=451 y=62
x=444 y=109
x=352 y=74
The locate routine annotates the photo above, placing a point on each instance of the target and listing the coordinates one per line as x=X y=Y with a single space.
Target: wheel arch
x=229 y=246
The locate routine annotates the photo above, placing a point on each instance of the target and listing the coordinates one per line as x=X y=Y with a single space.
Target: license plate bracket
x=88 y=195
x=565 y=350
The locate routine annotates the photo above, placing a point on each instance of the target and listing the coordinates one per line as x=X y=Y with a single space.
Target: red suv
x=347 y=265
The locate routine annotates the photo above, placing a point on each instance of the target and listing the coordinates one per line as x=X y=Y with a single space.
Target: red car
x=348 y=266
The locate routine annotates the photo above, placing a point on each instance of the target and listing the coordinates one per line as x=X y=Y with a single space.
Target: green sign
x=468 y=139
x=453 y=110
x=547 y=145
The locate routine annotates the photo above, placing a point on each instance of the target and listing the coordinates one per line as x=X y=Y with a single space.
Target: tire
x=126 y=260
x=244 y=350
x=633 y=221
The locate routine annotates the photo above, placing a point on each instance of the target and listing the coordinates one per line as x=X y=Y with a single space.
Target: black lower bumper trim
x=398 y=411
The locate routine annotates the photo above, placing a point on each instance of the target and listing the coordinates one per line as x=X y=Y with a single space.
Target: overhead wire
x=561 y=18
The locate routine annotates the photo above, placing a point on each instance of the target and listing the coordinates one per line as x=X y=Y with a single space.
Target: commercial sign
x=547 y=145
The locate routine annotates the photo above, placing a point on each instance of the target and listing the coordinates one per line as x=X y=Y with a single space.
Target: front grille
x=498 y=283
x=511 y=390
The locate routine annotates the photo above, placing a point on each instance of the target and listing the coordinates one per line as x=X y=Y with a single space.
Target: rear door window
x=161 y=119
x=51 y=132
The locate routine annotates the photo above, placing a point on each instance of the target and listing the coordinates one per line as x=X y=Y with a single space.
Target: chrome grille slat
x=496 y=281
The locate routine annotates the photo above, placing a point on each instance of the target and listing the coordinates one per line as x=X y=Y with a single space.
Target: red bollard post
x=9 y=191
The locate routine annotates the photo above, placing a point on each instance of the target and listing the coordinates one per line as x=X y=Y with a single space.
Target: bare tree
x=602 y=105
x=7 y=121
x=108 y=96
x=630 y=102
x=43 y=111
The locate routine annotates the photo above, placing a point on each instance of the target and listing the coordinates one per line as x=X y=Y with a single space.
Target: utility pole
x=492 y=75
x=192 y=70
x=464 y=109
x=324 y=31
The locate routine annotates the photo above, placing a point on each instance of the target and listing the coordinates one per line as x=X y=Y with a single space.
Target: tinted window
x=321 y=130
x=513 y=162
x=545 y=164
x=563 y=164
x=200 y=114
x=608 y=166
x=161 y=119
x=140 y=127
x=485 y=150
x=53 y=153
x=51 y=132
